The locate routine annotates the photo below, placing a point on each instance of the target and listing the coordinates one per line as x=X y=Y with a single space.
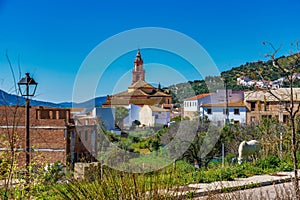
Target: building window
x=252 y=106
x=62 y=114
x=52 y=114
x=267 y=106
x=252 y=119
x=209 y=111
x=236 y=111
x=236 y=122
x=45 y=114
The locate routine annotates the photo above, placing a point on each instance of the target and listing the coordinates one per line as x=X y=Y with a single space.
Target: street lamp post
x=281 y=123
x=27 y=88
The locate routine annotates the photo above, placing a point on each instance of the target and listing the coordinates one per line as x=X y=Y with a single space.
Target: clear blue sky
x=52 y=38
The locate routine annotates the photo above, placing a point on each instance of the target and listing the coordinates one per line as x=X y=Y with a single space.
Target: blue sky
x=52 y=38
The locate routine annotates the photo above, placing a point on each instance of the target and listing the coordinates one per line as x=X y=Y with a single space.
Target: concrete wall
x=146 y=117
x=161 y=117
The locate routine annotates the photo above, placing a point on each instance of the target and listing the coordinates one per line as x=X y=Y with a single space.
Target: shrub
x=184 y=167
x=286 y=166
x=270 y=162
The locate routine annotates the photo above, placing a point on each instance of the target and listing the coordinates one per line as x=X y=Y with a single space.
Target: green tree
x=205 y=144
x=120 y=114
x=136 y=123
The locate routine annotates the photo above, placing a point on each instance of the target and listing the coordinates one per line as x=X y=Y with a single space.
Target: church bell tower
x=138 y=73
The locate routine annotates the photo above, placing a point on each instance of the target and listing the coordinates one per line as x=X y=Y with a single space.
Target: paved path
x=279 y=191
x=207 y=189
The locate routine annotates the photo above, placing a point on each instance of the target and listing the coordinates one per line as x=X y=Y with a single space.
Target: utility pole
x=226 y=96
x=226 y=119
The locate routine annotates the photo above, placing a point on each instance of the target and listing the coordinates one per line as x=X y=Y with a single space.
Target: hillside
x=184 y=90
x=253 y=70
x=257 y=71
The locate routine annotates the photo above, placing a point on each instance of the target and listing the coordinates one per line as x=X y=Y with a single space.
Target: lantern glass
x=27 y=86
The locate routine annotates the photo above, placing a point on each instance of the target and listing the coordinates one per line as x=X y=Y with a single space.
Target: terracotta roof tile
x=230 y=104
x=200 y=96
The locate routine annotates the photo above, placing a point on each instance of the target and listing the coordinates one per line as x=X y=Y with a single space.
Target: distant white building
x=133 y=114
x=191 y=106
x=152 y=115
x=212 y=105
x=275 y=84
x=217 y=113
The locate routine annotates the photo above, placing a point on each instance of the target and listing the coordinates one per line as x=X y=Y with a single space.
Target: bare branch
x=296 y=111
x=19 y=67
x=275 y=50
x=12 y=72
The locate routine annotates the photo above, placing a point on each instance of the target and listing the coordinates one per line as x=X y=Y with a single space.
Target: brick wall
x=49 y=132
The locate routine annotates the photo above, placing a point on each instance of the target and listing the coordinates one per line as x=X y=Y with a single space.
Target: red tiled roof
x=119 y=102
x=230 y=104
x=200 y=96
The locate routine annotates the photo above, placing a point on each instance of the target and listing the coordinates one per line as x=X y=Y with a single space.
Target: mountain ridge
x=13 y=100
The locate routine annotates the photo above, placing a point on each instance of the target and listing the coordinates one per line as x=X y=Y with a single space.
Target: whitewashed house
x=152 y=115
x=191 y=106
x=216 y=111
x=133 y=114
x=213 y=105
x=218 y=114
